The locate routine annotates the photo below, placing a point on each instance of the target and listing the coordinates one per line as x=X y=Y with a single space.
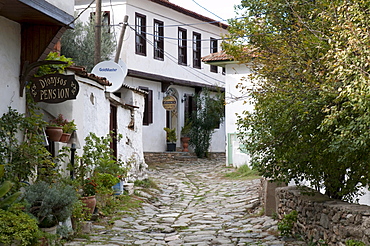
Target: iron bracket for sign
x=27 y=68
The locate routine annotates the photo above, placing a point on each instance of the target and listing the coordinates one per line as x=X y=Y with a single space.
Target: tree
x=309 y=122
x=79 y=44
x=204 y=120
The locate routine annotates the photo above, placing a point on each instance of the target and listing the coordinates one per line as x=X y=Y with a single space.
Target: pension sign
x=54 y=88
x=169 y=103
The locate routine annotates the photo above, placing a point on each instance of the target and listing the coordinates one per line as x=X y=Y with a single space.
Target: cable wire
x=174 y=60
x=208 y=10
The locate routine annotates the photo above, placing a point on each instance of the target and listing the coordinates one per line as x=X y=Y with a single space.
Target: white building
x=236 y=102
x=162 y=48
x=96 y=111
x=29 y=30
x=21 y=23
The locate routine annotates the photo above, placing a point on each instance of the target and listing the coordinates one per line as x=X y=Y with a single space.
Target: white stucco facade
x=10 y=50
x=236 y=102
x=145 y=69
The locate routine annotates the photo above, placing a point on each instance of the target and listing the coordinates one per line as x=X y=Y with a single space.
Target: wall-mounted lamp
x=74 y=144
x=184 y=97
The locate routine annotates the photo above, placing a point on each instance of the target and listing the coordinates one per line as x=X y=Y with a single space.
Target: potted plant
x=68 y=128
x=89 y=187
x=171 y=138
x=185 y=135
x=50 y=203
x=55 y=128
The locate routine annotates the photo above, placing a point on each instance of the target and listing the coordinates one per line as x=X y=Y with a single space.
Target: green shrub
x=285 y=226
x=50 y=203
x=16 y=225
x=352 y=242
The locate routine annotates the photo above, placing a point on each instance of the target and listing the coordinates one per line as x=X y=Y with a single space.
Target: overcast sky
x=222 y=8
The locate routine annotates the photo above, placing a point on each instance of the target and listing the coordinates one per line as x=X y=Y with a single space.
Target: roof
x=218 y=56
x=190 y=13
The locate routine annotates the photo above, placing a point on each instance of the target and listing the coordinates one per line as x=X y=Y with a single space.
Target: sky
x=222 y=8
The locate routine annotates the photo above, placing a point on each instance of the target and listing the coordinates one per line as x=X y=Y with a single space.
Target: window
x=148 y=107
x=158 y=40
x=140 y=34
x=182 y=47
x=213 y=49
x=190 y=106
x=196 y=50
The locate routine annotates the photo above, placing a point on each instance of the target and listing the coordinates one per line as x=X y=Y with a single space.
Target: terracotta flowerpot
x=65 y=137
x=54 y=133
x=185 y=144
x=90 y=202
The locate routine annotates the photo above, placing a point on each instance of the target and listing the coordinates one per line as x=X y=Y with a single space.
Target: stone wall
x=320 y=217
x=172 y=157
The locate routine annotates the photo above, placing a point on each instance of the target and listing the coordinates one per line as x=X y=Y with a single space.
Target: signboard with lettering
x=54 y=88
x=169 y=103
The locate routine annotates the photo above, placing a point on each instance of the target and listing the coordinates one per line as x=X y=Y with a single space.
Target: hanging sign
x=54 y=88
x=169 y=103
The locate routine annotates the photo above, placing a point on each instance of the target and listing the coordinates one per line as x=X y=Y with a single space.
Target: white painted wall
x=154 y=137
x=235 y=104
x=10 y=50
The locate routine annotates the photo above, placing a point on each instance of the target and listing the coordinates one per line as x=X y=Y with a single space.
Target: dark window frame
x=148 y=106
x=182 y=46
x=197 y=49
x=158 y=42
x=140 y=34
x=213 y=49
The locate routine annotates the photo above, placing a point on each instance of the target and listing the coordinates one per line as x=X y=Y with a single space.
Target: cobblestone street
x=196 y=205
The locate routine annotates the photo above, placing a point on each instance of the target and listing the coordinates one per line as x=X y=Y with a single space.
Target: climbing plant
x=208 y=116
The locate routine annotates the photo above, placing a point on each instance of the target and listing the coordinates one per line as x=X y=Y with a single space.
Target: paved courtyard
x=196 y=205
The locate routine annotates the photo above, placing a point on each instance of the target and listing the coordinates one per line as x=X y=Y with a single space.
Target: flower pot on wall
x=65 y=137
x=54 y=133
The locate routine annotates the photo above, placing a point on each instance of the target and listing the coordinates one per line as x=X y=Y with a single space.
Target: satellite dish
x=113 y=72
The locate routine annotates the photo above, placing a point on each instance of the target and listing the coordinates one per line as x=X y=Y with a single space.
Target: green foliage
x=104 y=182
x=16 y=225
x=54 y=68
x=310 y=90
x=185 y=130
x=80 y=213
x=20 y=158
x=242 y=172
x=79 y=44
x=285 y=226
x=209 y=114
x=50 y=203
x=352 y=242
x=170 y=135
x=89 y=187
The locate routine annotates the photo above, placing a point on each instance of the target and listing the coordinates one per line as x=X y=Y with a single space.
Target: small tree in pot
x=171 y=138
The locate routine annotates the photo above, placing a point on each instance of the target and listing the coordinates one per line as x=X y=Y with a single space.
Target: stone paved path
x=196 y=206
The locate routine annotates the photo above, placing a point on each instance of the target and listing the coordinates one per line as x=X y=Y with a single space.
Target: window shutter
x=150 y=107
